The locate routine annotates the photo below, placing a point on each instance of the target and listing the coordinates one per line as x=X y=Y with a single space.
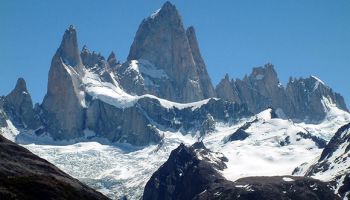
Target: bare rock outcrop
x=170 y=63
x=64 y=102
x=301 y=99
x=18 y=106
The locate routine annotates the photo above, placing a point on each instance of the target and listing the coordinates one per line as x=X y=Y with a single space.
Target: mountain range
x=113 y=124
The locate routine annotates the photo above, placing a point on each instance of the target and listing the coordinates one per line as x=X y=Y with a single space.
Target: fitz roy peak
x=164 y=47
x=121 y=101
x=85 y=95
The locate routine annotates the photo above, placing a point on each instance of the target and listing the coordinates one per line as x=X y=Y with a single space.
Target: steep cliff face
x=129 y=125
x=163 y=43
x=64 y=103
x=204 y=79
x=19 y=107
x=309 y=97
x=302 y=99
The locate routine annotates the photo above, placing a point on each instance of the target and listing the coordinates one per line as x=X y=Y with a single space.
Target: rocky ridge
x=194 y=173
x=302 y=99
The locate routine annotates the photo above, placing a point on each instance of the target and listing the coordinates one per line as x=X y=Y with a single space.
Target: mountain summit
x=68 y=49
x=302 y=99
x=63 y=105
x=163 y=44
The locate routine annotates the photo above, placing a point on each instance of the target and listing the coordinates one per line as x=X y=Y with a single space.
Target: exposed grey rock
x=3 y=118
x=112 y=60
x=162 y=41
x=240 y=134
x=302 y=99
x=139 y=124
x=205 y=82
x=226 y=90
x=96 y=63
x=63 y=105
x=306 y=95
x=24 y=175
x=321 y=143
x=121 y=125
x=19 y=107
x=189 y=120
x=208 y=125
x=68 y=50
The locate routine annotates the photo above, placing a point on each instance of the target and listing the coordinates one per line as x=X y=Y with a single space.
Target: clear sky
x=299 y=37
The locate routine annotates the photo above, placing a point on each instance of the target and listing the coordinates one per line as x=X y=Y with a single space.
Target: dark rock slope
x=301 y=99
x=194 y=173
x=24 y=175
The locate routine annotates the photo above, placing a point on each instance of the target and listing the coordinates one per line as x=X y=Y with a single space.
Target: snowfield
x=121 y=169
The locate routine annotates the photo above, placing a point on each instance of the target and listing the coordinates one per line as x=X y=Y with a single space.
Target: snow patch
x=146 y=68
x=10 y=132
x=259 y=77
x=154 y=14
x=318 y=80
x=115 y=96
x=287 y=179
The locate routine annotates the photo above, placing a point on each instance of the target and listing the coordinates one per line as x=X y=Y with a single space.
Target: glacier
x=120 y=169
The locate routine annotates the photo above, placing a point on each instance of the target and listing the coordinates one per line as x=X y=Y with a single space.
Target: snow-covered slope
x=274 y=146
x=121 y=169
x=114 y=95
x=333 y=164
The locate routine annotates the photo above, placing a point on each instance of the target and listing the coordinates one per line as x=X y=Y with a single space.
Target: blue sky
x=300 y=38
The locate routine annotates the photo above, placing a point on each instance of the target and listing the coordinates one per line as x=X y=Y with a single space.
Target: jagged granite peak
x=95 y=62
x=260 y=90
x=19 y=106
x=64 y=102
x=21 y=86
x=225 y=90
x=301 y=99
x=161 y=41
x=90 y=59
x=204 y=78
x=68 y=50
x=112 y=60
x=308 y=96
